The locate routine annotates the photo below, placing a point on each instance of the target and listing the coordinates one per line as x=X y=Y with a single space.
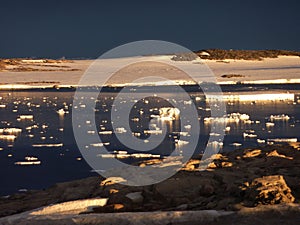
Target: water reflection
x=37 y=125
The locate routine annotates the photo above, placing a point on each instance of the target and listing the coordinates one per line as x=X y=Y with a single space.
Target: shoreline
x=238 y=92
x=17 y=87
x=28 y=74
x=243 y=181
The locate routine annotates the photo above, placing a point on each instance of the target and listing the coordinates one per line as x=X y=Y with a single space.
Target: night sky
x=75 y=29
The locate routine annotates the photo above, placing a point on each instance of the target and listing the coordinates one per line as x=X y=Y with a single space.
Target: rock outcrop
x=239 y=179
x=269 y=190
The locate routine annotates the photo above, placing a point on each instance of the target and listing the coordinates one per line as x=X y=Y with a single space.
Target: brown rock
x=135 y=197
x=251 y=153
x=113 y=191
x=207 y=189
x=226 y=203
x=192 y=164
x=111 y=208
x=226 y=164
x=212 y=165
x=276 y=154
x=269 y=190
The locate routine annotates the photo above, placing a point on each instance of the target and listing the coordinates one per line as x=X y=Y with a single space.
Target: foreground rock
x=269 y=190
x=155 y=218
x=235 y=181
x=271 y=214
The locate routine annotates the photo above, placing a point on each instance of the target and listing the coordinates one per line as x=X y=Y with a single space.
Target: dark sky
x=88 y=28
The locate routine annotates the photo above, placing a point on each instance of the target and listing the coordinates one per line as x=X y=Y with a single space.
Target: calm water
x=48 y=136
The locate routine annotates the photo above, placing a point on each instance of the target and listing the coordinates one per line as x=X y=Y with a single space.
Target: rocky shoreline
x=227 y=67
x=250 y=181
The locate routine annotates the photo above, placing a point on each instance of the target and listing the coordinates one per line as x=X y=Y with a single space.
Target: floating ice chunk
x=260 y=141
x=105 y=132
x=182 y=133
x=240 y=116
x=121 y=152
x=230 y=118
x=47 y=145
x=169 y=113
x=11 y=130
x=155 y=116
x=120 y=130
x=31 y=158
x=61 y=112
x=122 y=156
x=28 y=163
x=281 y=117
x=91 y=132
x=236 y=144
x=8 y=137
x=136 y=119
x=248 y=121
x=227 y=129
x=28 y=128
x=283 y=140
x=250 y=131
x=26 y=117
x=270 y=124
x=136 y=134
x=187 y=102
x=181 y=142
x=188 y=127
x=106 y=155
x=215 y=120
x=215 y=143
x=145 y=155
x=246 y=135
x=100 y=144
x=153 y=132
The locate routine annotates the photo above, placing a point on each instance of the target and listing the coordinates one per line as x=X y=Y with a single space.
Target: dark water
x=49 y=137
